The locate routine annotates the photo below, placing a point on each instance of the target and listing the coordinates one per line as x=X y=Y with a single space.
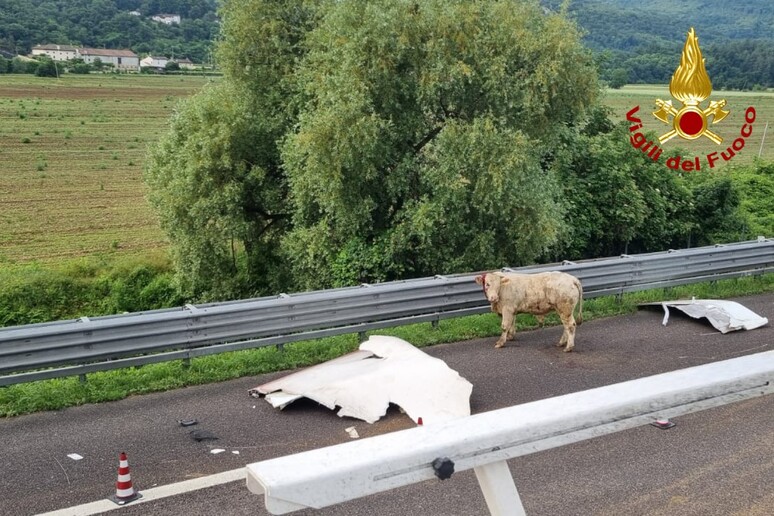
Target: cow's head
x=491 y=284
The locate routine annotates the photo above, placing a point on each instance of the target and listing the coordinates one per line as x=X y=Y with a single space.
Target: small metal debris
x=235 y=452
x=663 y=424
x=352 y=432
x=202 y=435
x=75 y=456
x=187 y=422
x=216 y=451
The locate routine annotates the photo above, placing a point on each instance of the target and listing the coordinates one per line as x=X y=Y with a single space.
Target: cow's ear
x=505 y=280
x=480 y=279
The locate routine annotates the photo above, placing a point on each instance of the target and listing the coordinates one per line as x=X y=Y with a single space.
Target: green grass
x=114 y=385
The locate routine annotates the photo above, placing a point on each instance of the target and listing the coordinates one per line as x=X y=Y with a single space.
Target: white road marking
x=156 y=493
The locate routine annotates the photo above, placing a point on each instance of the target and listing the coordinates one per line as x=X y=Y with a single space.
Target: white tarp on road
x=363 y=383
x=725 y=316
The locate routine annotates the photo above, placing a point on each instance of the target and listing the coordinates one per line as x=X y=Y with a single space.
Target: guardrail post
x=499 y=490
x=82 y=378
x=361 y=336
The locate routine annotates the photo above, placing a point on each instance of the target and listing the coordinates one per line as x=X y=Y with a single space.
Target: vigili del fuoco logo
x=690 y=86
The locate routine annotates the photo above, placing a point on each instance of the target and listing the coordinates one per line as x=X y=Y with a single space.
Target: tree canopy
x=394 y=138
x=356 y=141
x=422 y=135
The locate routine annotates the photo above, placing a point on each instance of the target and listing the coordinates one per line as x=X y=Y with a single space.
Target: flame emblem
x=691 y=86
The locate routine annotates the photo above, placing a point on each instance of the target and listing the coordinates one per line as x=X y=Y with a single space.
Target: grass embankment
x=114 y=385
x=89 y=286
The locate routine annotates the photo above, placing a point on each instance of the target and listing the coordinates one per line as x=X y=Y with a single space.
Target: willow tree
x=357 y=141
x=216 y=177
x=419 y=149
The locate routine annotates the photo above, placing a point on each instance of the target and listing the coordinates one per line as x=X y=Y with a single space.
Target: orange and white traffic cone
x=125 y=492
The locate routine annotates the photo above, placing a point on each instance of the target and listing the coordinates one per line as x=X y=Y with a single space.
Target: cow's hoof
x=498 y=345
x=567 y=350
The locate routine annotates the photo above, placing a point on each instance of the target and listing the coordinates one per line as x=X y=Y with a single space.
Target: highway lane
x=719 y=461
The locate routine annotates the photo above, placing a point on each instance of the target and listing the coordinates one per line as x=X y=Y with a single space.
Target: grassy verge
x=114 y=385
x=94 y=285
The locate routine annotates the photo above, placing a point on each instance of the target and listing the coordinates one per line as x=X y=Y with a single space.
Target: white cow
x=538 y=294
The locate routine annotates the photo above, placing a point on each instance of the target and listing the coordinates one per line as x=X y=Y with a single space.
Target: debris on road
x=216 y=451
x=352 y=432
x=187 y=422
x=663 y=424
x=202 y=435
x=725 y=316
x=363 y=384
x=75 y=456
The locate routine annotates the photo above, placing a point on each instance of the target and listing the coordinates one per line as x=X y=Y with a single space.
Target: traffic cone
x=125 y=492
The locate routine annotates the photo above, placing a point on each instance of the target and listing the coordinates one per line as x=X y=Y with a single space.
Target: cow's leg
x=512 y=328
x=568 y=321
x=563 y=339
x=541 y=319
x=505 y=325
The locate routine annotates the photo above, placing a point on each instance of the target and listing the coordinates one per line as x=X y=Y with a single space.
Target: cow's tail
x=578 y=285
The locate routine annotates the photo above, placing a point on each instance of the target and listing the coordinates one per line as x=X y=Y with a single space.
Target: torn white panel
x=725 y=316
x=352 y=432
x=384 y=370
x=281 y=399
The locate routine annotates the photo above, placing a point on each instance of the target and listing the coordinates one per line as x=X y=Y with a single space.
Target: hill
x=110 y=24
x=640 y=41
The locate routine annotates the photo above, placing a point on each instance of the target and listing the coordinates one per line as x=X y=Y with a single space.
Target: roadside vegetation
x=118 y=384
x=434 y=138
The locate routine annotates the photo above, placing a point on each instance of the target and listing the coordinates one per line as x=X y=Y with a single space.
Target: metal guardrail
x=484 y=442
x=85 y=345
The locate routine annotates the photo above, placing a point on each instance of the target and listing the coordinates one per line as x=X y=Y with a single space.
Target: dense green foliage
x=642 y=43
x=420 y=143
x=108 y=24
x=402 y=150
x=441 y=138
x=619 y=200
x=33 y=293
x=217 y=177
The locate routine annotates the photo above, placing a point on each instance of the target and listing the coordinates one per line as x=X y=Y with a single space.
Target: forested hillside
x=109 y=24
x=634 y=41
x=640 y=41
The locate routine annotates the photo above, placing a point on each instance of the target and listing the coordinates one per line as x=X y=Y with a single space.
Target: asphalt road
x=716 y=462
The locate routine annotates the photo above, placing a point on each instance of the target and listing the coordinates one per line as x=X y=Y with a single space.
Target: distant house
x=186 y=64
x=135 y=13
x=168 y=19
x=123 y=60
x=155 y=62
x=55 y=52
